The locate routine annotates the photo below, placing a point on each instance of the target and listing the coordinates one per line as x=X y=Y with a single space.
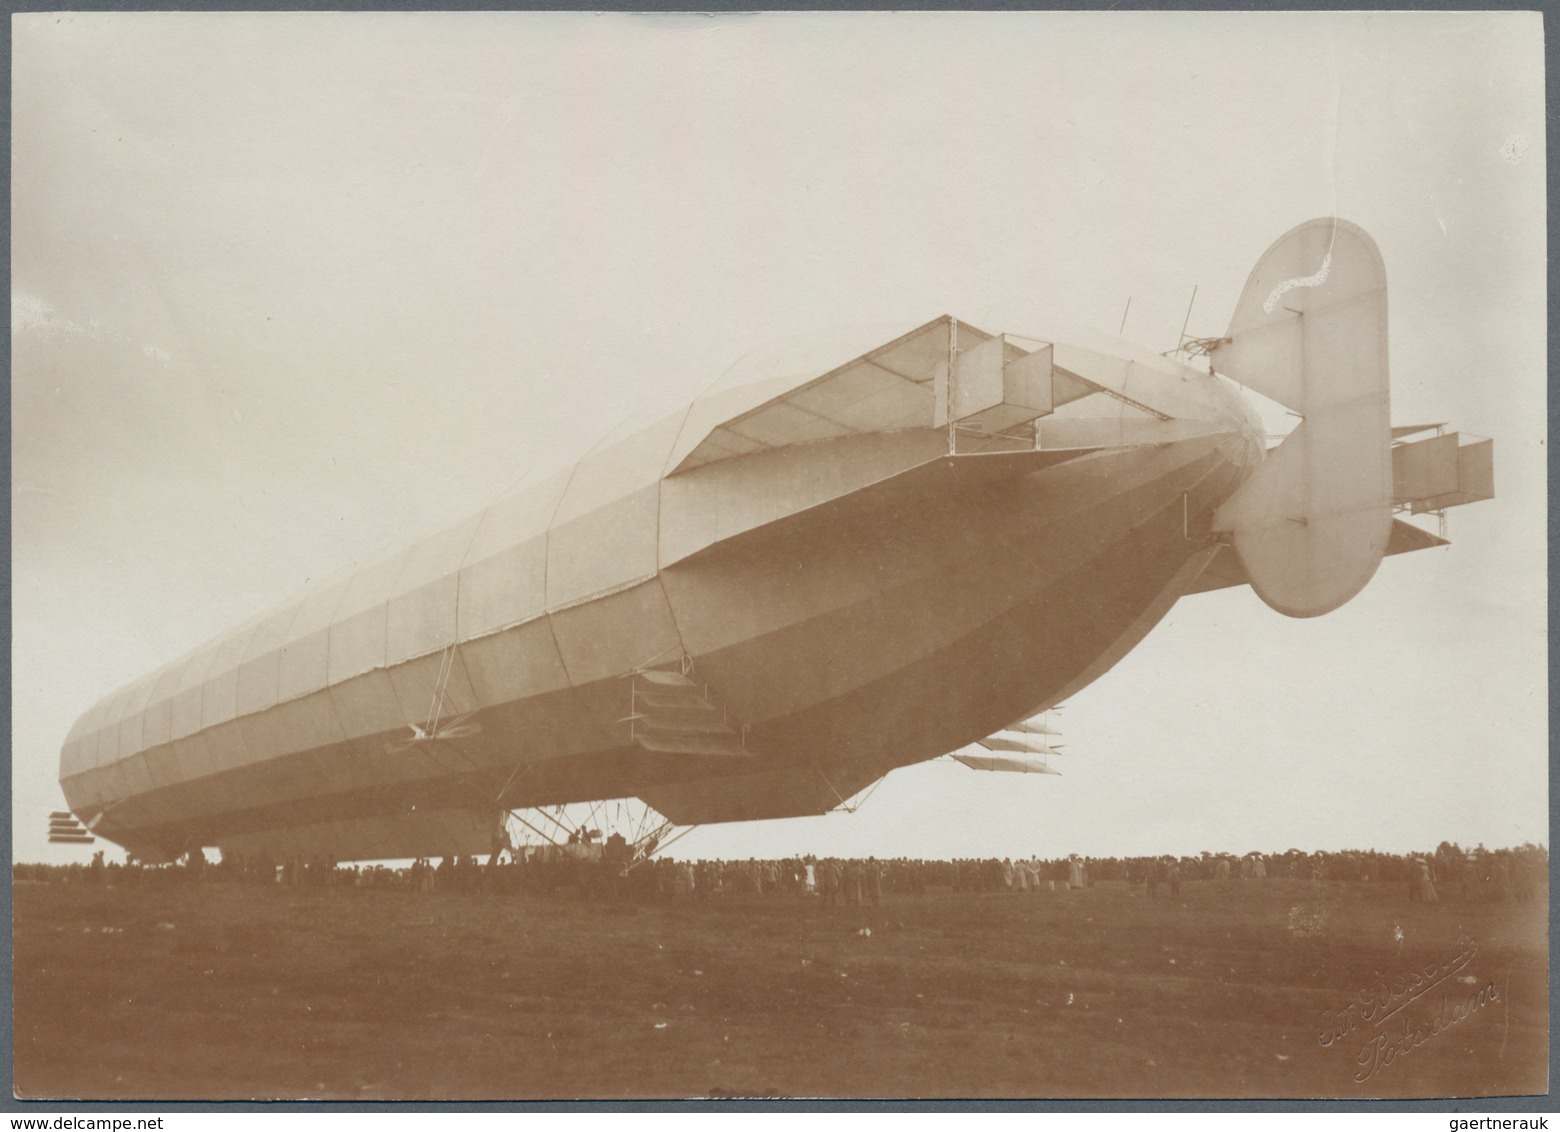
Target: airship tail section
x=1310 y=332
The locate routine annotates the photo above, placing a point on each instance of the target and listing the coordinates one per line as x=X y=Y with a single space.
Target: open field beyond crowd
x=225 y=991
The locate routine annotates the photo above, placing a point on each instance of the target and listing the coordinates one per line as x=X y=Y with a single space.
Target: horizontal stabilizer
x=1225 y=569
x=64 y=829
x=997 y=385
x=1012 y=764
x=671 y=714
x=1441 y=472
x=1017 y=743
x=669 y=679
x=1029 y=727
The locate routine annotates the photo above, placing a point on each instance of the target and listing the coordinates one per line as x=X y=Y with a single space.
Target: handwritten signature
x=1383 y=1049
x=1387 y=1006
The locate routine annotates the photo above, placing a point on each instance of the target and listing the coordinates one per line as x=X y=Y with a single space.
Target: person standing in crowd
x=1074 y=872
x=853 y=874
x=829 y=881
x=1503 y=875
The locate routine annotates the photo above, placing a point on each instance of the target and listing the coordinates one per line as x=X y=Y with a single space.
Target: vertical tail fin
x=1310 y=332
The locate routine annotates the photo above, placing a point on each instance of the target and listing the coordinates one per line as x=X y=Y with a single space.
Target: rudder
x=1310 y=331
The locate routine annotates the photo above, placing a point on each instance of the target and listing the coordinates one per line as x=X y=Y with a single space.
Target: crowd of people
x=612 y=870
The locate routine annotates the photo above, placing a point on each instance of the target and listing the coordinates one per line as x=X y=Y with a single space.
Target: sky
x=291 y=290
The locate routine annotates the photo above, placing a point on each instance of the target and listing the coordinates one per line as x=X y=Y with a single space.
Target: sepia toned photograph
x=615 y=556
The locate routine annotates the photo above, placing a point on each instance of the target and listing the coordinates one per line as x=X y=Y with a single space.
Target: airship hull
x=823 y=636
x=818 y=571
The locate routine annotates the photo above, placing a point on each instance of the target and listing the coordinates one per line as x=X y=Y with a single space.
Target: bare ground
x=222 y=991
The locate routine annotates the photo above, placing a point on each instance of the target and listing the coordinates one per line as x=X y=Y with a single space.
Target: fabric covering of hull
x=838 y=571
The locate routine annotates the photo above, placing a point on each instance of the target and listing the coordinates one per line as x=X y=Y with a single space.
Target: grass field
x=225 y=991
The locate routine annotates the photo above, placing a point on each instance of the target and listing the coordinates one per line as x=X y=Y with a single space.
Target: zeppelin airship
x=817 y=572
